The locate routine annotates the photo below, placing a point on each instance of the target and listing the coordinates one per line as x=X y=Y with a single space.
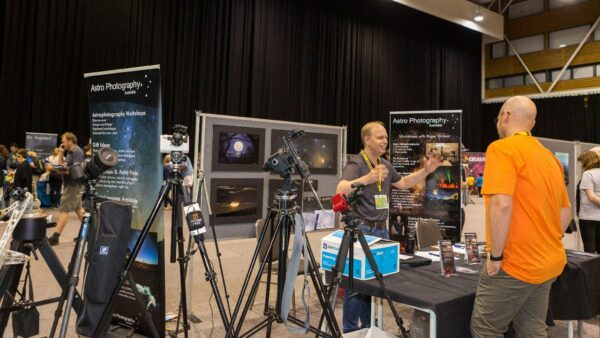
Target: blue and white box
x=384 y=251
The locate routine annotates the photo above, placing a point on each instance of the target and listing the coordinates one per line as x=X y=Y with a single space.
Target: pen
x=434 y=254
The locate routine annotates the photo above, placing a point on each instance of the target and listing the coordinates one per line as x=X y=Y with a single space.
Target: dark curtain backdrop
x=563 y=118
x=322 y=61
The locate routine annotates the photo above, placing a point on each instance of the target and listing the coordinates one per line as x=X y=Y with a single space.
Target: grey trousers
x=502 y=299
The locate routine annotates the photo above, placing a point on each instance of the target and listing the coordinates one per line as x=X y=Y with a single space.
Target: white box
x=384 y=251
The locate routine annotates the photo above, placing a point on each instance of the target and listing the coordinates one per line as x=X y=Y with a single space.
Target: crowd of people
x=25 y=169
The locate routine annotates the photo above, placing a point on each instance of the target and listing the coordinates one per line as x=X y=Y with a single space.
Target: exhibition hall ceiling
x=464 y=13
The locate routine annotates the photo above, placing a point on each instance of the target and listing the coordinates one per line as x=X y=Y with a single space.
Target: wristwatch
x=496 y=258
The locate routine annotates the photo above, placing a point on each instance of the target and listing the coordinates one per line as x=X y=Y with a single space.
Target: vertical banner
x=413 y=137
x=43 y=144
x=126 y=115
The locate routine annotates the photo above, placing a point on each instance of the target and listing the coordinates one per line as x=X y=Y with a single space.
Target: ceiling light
x=563 y=45
x=478 y=17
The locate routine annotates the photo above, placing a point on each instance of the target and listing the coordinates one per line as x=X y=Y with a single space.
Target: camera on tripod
x=178 y=142
x=286 y=160
x=104 y=159
x=341 y=203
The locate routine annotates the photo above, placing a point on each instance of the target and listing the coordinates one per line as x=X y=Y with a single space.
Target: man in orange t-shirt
x=527 y=212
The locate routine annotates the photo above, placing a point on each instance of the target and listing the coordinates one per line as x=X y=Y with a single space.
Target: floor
x=235 y=257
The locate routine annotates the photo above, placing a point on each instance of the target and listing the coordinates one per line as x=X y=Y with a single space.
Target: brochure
x=472 y=249
x=447 y=258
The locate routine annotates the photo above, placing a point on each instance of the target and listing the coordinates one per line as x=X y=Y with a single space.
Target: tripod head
x=177 y=145
x=342 y=203
x=286 y=160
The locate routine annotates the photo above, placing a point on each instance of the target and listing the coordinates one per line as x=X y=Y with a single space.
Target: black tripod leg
x=230 y=331
x=379 y=277
x=276 y=237
x=285 y=224
x=182 y=258
x=320 y=291
x=210 y=276
x=269 y=259
x=142 y=307
x=338 y=270
x=106 y=315
x=73 y=280
x=9 y=284
x=58 y=270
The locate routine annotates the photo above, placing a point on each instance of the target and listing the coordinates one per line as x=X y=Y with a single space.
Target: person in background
x=23 y=174
x=54 y=178
x=166 y=175
x=87 y=151
x=371 y=169
x=589 y=201
x=527 y=212
x=68 y=154
x=12 y=157
x=4 y=153
x=188 y=175
x=479 y=183
x=471 y=183
x=38 y=168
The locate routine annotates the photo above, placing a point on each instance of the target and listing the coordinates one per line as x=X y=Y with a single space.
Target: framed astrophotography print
x=318 y=150
x=236 y=200
x=238 y=148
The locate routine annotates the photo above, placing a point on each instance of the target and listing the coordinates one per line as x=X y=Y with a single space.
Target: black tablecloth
x=574 y=295
x=451 y=298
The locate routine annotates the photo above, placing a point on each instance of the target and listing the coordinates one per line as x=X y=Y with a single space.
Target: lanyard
x=522 y=133
x=368 y=162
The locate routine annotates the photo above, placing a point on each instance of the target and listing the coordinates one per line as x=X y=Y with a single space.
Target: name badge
x=381 y=202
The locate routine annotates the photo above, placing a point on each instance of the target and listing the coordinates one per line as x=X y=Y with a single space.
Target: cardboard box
x=384 y=251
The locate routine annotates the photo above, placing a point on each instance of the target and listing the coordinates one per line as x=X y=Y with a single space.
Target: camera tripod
x=200 y=184
x=174 y=184
x=87 y=233
x=10 y=276
x=279 y=222
x=352 y=233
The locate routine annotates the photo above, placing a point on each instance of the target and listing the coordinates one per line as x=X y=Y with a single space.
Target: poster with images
x=236 y=200
x=42 y=143
x=238 y=148
x=126 y=115
x=144 y=270
x=563 y=158
x=413 y=137
x=318 y=150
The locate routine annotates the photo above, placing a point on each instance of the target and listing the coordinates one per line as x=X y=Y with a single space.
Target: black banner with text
x=126 y=115
x=413 y=137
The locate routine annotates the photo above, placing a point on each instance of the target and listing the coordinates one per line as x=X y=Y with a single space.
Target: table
x=450 y=300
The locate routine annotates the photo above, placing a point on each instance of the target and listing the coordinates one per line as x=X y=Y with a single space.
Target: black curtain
x=563 y=118
x=320 y=61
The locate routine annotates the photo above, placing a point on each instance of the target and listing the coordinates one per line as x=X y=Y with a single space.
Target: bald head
x=517 y=114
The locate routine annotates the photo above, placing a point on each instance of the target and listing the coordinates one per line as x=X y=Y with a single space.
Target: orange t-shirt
x=520 y=166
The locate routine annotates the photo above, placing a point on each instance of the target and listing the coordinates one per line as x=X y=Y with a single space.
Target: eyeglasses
x=498 y=117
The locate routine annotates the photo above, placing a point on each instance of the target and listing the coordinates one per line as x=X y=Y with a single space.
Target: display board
x=415 y=135
x=567 y=152
x=126 y=115
x=234 y=151
x=42 y=143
